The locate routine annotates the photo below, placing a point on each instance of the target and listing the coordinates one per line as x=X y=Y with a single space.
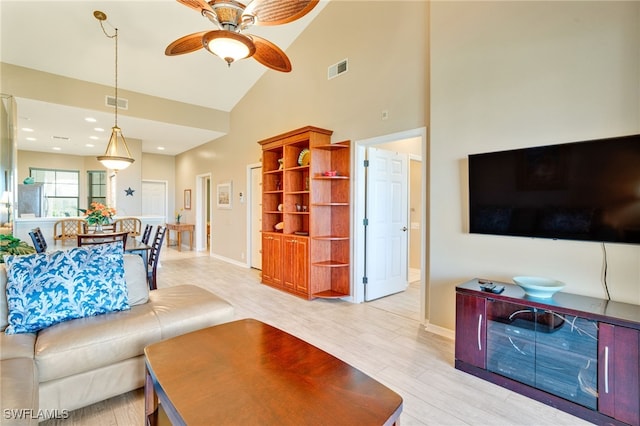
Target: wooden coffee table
x=246 y=372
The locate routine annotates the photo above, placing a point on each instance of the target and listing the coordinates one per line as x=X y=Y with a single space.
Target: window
x=61 y=188
x=97 y=182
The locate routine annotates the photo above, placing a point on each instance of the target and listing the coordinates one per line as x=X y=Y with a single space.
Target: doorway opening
x=203 y=213
x=254 y=216
x=375 y=189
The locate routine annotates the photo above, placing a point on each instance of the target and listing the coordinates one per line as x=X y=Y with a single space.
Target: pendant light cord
x=116 y=67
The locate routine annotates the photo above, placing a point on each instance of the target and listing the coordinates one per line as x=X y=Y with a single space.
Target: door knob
x=404 y=229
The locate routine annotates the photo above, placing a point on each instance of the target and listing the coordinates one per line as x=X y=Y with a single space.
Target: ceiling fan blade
x=198 y=5
x=270 y=55
x=277 y=12
x=187 y=44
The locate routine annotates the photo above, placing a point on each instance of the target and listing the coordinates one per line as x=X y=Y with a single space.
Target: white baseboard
x=229 y=260
x=440 y=331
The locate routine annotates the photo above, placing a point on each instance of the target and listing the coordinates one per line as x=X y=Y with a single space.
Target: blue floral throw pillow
x=48 y=288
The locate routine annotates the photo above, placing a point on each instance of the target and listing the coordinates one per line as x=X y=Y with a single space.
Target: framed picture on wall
x=224 y=195
x=187 y=199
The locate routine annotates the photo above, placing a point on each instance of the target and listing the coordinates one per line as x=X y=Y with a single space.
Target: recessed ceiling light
x=90 y=120
x=89 y=145
x=160 y=148
x=32 y=139
x=98 y=129
x=26 y=129
x=95 y=138
x=56 y=148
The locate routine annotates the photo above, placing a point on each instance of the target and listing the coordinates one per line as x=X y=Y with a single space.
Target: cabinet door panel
x=272 y=259
x=619 y=373
x=471 y=330
x=296 y=264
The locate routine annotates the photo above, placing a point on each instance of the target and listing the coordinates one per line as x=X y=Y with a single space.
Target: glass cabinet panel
x=553 y=352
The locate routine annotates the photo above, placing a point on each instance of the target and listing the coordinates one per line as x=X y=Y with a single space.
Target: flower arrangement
x=98 y=213
x=179 y=215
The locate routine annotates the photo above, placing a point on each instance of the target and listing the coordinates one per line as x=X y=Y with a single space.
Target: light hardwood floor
x=383 y=338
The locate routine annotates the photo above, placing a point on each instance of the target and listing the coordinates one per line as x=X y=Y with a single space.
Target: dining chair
x=132 y=225
x=88 y=229
x=39 y=243
x=112 y=237
x=154 y=256
x=146 y=234
x=67 y=229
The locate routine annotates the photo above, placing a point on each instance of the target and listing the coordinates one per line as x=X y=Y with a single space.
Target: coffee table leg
x=150 y=401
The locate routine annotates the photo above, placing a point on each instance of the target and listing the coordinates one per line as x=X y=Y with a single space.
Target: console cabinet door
x=619 y=373
x=471 y=330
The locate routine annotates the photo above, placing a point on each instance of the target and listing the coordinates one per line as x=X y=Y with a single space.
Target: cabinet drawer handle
x=606 y=369
x=480 y=332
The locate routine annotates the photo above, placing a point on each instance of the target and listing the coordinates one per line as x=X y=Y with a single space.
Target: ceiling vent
x=338 y=69
x=110 y=101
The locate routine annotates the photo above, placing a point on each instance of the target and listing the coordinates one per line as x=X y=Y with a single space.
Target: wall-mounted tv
x=579 y=191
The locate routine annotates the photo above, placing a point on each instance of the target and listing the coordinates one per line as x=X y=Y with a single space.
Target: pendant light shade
x=117 y=156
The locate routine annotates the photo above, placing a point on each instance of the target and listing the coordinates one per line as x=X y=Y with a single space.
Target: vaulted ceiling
x=64 y=38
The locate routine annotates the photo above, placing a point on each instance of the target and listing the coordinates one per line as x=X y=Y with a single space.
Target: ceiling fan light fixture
x=115 y=157
x=228 y=45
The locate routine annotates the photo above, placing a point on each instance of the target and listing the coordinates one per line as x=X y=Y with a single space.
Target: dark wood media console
x=576 y=353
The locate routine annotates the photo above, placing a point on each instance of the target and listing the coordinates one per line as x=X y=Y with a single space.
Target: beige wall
x=146 y=166
x=516 y=74
x=387 y=71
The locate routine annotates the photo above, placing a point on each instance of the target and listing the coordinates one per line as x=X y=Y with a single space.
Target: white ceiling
x=63 y=38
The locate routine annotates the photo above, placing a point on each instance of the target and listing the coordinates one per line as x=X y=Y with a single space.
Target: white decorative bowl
x=541 y=288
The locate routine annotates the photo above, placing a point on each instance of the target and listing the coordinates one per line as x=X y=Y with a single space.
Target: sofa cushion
x=185 y=308
x=48 y=288
x=135 y=275
x=84 y=344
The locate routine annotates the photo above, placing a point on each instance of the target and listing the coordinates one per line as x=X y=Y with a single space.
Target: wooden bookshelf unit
x=306 y=191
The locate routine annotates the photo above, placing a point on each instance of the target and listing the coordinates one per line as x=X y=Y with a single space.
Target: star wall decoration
x=129 y=191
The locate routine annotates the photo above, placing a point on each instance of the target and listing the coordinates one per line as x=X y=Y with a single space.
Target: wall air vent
x=110 y=101
x=60 y=138
x=338 y=69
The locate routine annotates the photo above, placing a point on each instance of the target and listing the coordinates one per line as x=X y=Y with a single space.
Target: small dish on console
x=538 y=287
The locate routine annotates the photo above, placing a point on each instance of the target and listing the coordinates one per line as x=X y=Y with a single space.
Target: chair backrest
x=154 y=256
x=39 y=243
x=67 y=229
x=132 y=225
x=90 y=239
x=88 y=229
x=146 y=234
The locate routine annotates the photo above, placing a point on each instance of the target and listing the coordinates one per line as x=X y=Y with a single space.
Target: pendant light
x=117 y=156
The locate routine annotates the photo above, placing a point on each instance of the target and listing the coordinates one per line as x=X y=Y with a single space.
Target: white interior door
x=387 y=214
x=256 y=217
x=154 y=198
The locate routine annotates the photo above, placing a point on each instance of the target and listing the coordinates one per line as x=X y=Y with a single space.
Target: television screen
x=580 y=191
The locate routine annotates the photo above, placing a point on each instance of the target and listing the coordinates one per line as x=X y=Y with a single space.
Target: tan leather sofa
x=82 y=361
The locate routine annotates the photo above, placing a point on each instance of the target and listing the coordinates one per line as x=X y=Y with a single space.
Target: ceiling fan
x=232 y=18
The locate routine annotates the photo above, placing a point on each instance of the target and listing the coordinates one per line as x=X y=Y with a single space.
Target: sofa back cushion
x=135 y=274
x=46 y=288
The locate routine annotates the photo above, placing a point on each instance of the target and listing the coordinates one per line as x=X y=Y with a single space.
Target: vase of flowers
x=179 y=216
x=98 y=214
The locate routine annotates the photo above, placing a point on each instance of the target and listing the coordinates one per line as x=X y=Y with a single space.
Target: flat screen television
x=579 y=191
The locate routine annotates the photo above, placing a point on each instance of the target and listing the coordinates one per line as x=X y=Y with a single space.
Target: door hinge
x=366 y=163
x=365 y=221
x=365 y=280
